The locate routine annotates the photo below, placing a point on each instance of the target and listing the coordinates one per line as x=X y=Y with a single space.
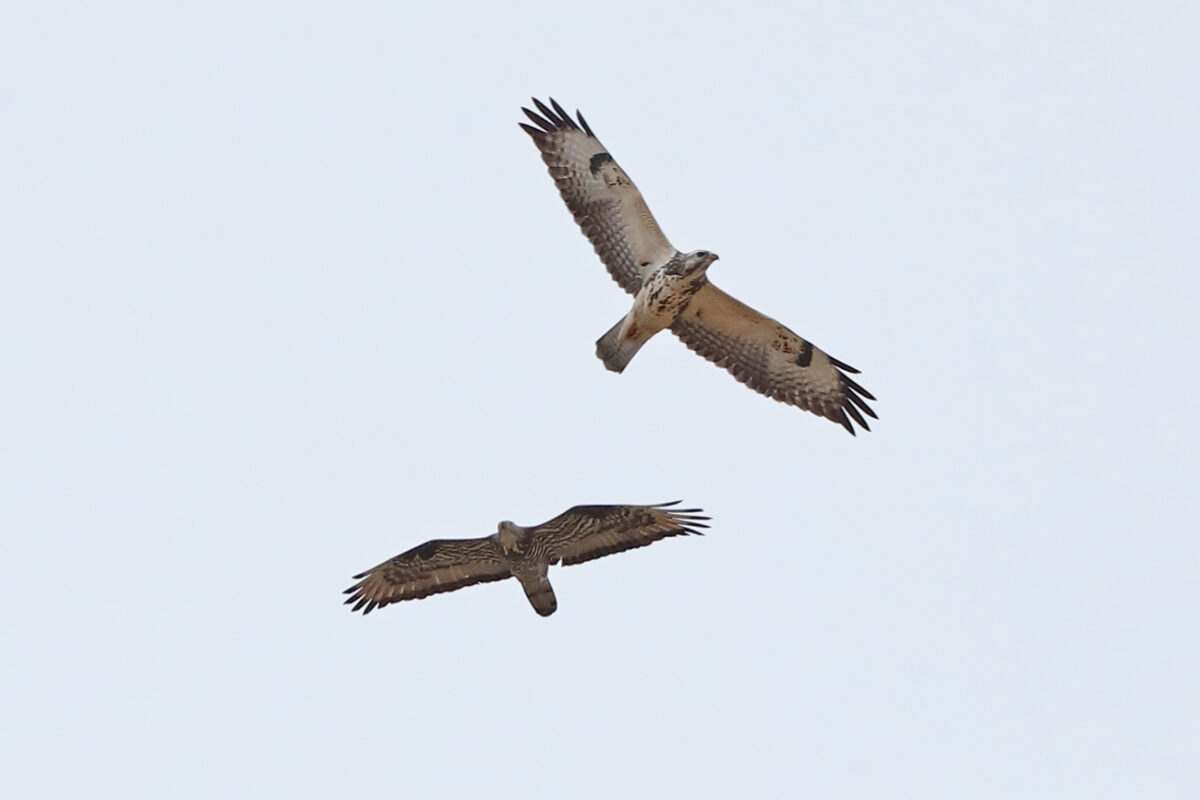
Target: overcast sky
x=285 y=291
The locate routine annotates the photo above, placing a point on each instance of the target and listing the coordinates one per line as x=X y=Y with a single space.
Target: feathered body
x=577 y=535
x=758 y=351
x=657 y=304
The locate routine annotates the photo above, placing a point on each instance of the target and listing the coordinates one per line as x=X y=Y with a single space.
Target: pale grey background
x=286 y=291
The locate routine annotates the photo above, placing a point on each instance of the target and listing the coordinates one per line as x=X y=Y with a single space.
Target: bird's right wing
x=441 y=565
x=602 y=198
x=770 y=358
x=583 y=533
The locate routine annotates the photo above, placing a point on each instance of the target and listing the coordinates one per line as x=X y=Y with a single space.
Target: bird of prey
x=671 y=289
x=577 y=535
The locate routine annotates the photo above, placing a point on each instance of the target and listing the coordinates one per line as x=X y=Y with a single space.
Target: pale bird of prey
x=577 y=535
x=671 y=289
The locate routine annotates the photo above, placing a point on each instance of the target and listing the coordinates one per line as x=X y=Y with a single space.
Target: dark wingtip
x=544 y=110
x=862 y=406
x=543 y=123
x=845 y=423
x=853 y=400
x=563 y=115
x=587 y=128
x=554 y=117
x=854 y=385
x=536 y=133
x=843 y=365
x=853 y=412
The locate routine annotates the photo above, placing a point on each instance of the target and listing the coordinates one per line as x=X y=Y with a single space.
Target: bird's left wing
x=771 y=359
x=583 y=533
x=602 y=198
x=441 y=565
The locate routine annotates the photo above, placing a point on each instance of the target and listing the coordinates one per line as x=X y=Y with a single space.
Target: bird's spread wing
x=770 y=359
x=605 y=202
x=441 y=565
x=586 y=532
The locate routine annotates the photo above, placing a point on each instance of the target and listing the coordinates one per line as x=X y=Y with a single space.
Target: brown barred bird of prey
x=671 y=289
x=577 y=535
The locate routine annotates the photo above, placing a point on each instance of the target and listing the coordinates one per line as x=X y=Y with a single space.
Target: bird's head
x=699 y=260
x=510 y=536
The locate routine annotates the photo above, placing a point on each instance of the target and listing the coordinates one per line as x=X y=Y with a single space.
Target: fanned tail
x=616 y=350
x=540 y=593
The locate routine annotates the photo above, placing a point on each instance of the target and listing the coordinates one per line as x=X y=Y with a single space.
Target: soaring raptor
x=577 y=535
x=671 y=289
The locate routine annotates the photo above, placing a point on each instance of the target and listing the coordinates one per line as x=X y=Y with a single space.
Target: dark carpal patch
x=805 y=357
x=427 y=550
x=598 y=161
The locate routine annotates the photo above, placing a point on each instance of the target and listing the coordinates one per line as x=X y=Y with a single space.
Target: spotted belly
x=664 y=297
